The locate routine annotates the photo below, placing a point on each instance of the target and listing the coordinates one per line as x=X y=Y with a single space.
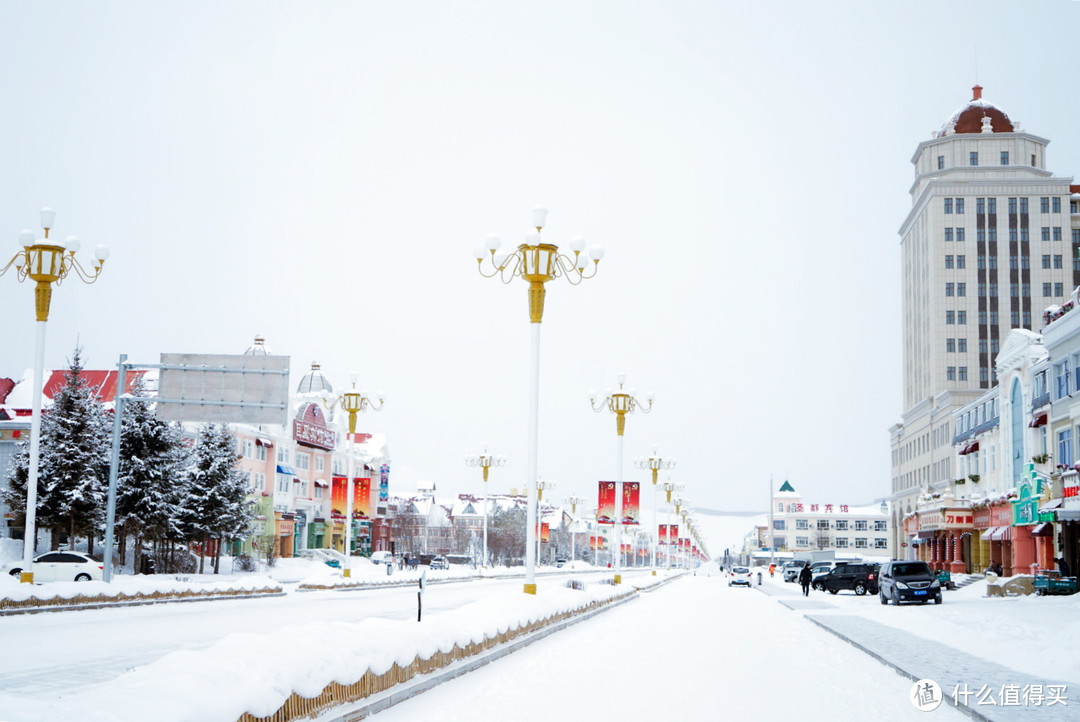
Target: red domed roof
x=969 y=119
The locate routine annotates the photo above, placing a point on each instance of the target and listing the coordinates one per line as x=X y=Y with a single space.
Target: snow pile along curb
x=19 y=598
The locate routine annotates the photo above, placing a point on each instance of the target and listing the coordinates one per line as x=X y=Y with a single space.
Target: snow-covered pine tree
x=217 y=496
x=73 y=471
x=151 y=475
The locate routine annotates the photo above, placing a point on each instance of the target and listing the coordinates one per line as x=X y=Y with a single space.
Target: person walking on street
x=1063 y=566
x=804 y=579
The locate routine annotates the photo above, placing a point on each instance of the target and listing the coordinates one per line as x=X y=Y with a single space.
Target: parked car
x=560 y=563
x=61 y=567
x=791 y=570
x=739 y=575
x=908 y=582
x=439 y=563
x=382 y=557
x=859 y=578
x=320 y=555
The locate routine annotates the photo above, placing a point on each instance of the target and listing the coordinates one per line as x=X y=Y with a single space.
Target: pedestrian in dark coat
x=1063 y=567
x=804 y=579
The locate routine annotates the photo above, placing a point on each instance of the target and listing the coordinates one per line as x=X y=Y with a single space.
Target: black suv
x=859 y=578
x=908 y=582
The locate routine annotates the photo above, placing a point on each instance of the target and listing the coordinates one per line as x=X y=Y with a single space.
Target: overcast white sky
x=321 y=172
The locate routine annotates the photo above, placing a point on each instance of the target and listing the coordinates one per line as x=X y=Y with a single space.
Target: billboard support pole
x=114 y=466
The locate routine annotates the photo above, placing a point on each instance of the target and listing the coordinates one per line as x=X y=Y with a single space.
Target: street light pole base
x=346 y=573
x=654 y=572
x=618 y=578
x=530 y=589
x=26 y=578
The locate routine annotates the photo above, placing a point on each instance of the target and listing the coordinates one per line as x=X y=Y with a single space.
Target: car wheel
x=937 y=599
x=818 y=587
x=833 y=591
x=881 y=596
x=860 y=588
x=82 y=578
x=16 y=572
x=895 y=600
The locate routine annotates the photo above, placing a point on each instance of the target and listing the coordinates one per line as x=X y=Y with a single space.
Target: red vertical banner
x=605 y=503
x=631 y=502
x=673 y=534
x=338 y=500
x=362 y=499
x=543 y=532
x=662 y=536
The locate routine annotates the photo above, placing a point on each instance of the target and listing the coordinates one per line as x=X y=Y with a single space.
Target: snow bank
x=15 y=595
x=247 y=674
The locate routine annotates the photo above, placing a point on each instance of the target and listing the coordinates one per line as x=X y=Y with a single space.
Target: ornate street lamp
x=44 y=262
x=537 y=263
x=485 y=461
x=540 y=486
x=573 y=501
x=353 y=402
x=620 y=403
x=655 y=463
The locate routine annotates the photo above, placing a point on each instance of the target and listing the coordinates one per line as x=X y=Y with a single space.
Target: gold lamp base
x=530 y=589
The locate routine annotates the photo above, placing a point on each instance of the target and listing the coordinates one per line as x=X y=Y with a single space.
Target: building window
x=993 y=234
x=950 y=373
x=1057 y=233
x=880 y=543
x=993 y=290
x=249 y=448
x=802 y=524
x=1046 y=289
x=961 y=345
x=303 y=461
x=941 y=162
x=1012 y=235
x=1057 y=260
x=982 y=290
x=960 y=262
x=980 y=235
x=961 y=373
x=778 y=525
x=994 y=318
x=1025 y=290
x=320 y=463
x=980 y=206
x=822 y=524
x=959 y=205
x=1024 y=237
x=961 y=318
x=1055 y=205
x=950 y=318
x=984 y=376
x=948 y=235
x=961 y=289
x=1014 y=290
x=318 y=492
x=1012 y=206
x=1004 y=157
x=960 y=237
x=973 y=158
x=1059 y=289
x=948 y=289
x=1014 y=319
x=841 y=525
x=860 y=543
x=802 y=542
x=841 y=542
x=861 y=525
x=283 y=483
x=948 y=261
x=1046 y=233
x=1065 y=447
x=1046 y=261
x=1023 y=206
x=982 y=341
x=950 y=345
x=991 y=206
x=1044 y=204
x=260 y=452
x=948 y=205
x=881 y=525
x=1061 y=377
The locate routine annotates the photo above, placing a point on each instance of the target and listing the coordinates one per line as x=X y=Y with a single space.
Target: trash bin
x=759 y=578
x=146 y=564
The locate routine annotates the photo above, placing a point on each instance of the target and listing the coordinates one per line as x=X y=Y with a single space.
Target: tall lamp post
x=655 y=463
x=573 y=501
x=45 y=262
x=670 y=486
x=353 y=402
x=620 y=403
x=485 y=461
x=537 y=262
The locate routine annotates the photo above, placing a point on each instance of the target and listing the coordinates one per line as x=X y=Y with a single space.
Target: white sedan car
x=739 y=575
x=60 y=567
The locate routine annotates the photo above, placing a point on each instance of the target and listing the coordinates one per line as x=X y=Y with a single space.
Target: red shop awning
x=1039 y=420
x=1044 y=529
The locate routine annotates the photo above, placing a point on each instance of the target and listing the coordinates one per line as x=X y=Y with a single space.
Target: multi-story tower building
x=991 y=241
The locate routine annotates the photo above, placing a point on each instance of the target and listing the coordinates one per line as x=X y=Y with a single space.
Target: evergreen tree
x=217 y=504
x=150 y=478
x=73 y=470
